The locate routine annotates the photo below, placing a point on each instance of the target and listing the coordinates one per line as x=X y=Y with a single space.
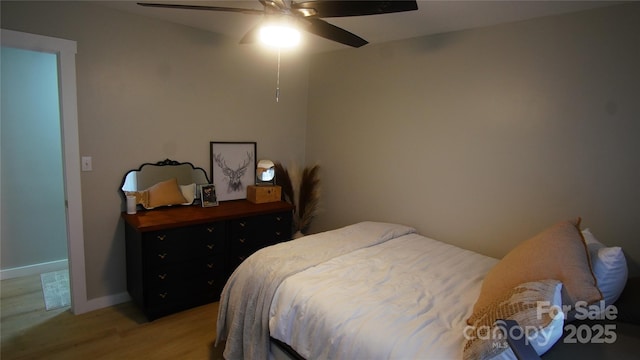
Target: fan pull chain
x=278 y=79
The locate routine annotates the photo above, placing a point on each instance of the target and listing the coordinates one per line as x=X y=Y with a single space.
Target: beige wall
x=482 y=138
x=150 y=90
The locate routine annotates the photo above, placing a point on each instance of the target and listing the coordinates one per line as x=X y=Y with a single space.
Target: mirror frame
x=165 y=162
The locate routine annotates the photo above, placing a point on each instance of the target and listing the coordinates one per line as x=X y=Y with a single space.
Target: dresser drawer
x=176 y=245
x=242 y=237
x=188 y=281
x=196 y=289
x=251 y=234
x=179 y=273
x=277 y=228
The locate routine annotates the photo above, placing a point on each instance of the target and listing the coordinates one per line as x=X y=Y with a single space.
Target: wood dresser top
x=177 y=216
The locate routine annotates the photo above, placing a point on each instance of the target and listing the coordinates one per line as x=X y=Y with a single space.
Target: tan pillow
x=558 y=252
x=165 y=193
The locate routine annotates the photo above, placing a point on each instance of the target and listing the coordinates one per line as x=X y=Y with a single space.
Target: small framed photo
x=233 y=168
x=208 y=195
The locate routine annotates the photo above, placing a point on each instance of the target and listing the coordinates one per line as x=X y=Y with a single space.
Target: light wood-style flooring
x=28 y=331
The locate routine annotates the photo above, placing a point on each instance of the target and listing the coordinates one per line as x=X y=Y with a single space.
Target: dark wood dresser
x=181 y=257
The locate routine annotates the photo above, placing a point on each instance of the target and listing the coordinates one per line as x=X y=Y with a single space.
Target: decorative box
x=259 y=194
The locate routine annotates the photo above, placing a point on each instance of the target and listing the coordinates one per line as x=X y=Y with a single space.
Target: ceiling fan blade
x=275 y=4
x=202 y=7
x=337 y=8
x=324 y=29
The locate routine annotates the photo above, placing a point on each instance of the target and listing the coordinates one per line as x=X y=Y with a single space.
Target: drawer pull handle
x=242 y=240
x=162 y=256
x=162 y=276
x=278 y=233
x=210 y=246
x=278 y=218
x=243 y=224
x=210 y=229
x=210 y=266
x=210 y=282
x=161 y=237
x=163 y=295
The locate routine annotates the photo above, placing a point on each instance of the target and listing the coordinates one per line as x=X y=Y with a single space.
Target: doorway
x=69 y=168
x=32 y=180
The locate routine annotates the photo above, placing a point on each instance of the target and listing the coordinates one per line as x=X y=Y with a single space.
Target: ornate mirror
x=150 y=174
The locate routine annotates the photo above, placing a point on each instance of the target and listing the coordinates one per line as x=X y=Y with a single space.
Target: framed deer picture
x=233 y=168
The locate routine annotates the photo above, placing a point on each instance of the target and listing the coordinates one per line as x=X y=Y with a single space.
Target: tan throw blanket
x=243 y=316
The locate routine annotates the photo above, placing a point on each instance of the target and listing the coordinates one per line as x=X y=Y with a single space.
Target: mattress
x=408 y=297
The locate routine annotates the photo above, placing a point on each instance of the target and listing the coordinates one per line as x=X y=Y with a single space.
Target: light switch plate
x=86 y=163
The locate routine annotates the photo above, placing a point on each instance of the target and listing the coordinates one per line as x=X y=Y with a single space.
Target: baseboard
x=34 y=269
x=101 y=302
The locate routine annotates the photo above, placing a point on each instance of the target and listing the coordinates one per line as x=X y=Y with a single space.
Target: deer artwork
x=233 y=177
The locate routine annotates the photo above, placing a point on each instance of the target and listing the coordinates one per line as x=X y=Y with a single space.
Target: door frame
x=65 y=50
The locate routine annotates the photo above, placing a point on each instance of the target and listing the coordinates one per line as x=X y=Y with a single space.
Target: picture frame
x=208 y=196
x=233 y=168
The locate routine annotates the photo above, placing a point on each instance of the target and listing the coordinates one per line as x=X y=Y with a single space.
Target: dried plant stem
x=308 y=197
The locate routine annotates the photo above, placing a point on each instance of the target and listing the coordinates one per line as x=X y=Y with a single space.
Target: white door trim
x=66 y=52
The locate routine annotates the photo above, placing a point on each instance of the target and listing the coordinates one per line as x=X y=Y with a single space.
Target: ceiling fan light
x=280 y=36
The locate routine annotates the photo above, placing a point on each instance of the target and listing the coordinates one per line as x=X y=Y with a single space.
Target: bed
x=366 y=291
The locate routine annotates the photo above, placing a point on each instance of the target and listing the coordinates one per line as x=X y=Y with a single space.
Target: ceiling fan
x=309 y=14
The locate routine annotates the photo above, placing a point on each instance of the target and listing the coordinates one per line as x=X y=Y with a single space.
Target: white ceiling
x=431 y=17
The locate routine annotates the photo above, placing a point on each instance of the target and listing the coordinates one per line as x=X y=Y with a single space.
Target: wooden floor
x=28 y=331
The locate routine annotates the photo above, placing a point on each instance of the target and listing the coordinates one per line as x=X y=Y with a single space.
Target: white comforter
x=406 y=298
x=243 y=315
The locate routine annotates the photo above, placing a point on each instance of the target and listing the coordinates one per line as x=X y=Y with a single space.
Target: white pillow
x=609 y=267
x=189 y=193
